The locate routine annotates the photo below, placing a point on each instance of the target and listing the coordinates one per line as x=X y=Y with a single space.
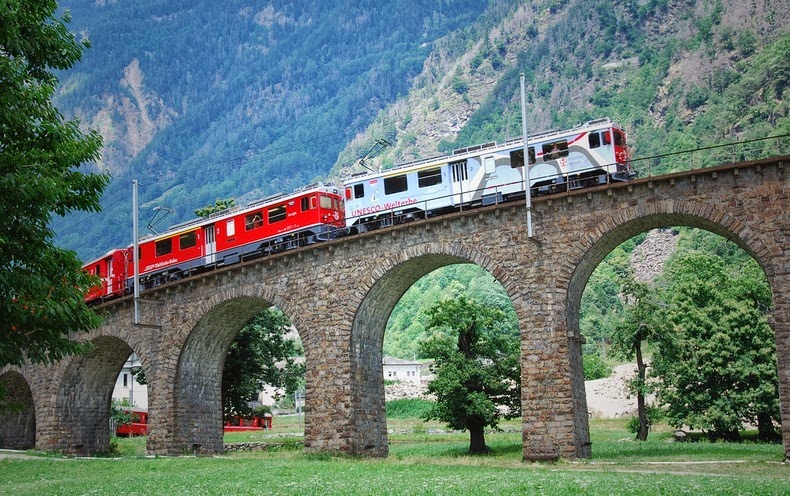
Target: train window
x=489 y=164
x=276 y=214
x=313 y=202
x=553 y=151
x=164 y=246
x=187 y=240
x=395 y=184
x=619 y=138
x=326 y=202
x=97 y=270
x=253 y=220
x=594 y=140
x=517 y=157
x=230 y=228
x=460 y=171
x=359 y=190
x=305 y=203
x=429 y=177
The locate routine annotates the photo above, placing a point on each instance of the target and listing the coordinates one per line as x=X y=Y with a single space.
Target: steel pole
x=527 y=188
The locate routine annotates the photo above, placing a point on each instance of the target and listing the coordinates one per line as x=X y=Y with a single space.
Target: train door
x=210 y=251
x=460 y=180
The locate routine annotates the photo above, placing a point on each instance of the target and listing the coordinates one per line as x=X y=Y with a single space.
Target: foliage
x=218 y=206
x=119 y=412
x=719 y=370
x=642 y=321
x=409 y=408
x=41 y=285
x=476 y=368
x=261 y=354
x=595 y=367
x=408 y=321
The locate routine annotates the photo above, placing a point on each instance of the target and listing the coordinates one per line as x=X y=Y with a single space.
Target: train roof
x=233 y=211
x=474 y=150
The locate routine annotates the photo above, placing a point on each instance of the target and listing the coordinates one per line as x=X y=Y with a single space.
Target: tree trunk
x=477 y=440
x=641 y=434
x=765 y=427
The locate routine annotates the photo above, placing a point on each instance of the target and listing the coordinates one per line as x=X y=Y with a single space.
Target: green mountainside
x=202 y=100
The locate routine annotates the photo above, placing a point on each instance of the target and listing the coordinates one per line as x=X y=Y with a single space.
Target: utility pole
x=527 y=188
x=135 y=253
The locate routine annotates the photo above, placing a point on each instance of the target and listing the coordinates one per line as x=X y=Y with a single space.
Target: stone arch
x=84 y=392
x=17 y=413
x=376 y=299
x=620 y=227
x=198 y=380
x=613 y=231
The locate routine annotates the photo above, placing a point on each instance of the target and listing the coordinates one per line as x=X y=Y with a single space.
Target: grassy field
x=424 y=460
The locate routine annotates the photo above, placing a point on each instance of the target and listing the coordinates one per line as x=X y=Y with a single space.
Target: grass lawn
x=423 y=460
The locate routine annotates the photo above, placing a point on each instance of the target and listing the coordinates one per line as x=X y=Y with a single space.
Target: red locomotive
x=271 y=225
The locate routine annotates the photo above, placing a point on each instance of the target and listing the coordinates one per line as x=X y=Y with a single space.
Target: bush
x=408 y=408
x=595 y=367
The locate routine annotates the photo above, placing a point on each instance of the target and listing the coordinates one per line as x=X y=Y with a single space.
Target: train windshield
x=619 y=137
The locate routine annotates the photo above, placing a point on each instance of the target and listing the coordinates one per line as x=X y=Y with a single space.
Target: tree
x=642 y=320
x=41 y=285
x=476 y=368
x=218 y=206
x=261 y=354
x=719 y=368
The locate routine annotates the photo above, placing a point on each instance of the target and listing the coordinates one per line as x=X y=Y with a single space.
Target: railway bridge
x=339 y=295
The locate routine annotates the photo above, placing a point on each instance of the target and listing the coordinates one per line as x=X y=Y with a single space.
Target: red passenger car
x=272 y=225
x=111 y=269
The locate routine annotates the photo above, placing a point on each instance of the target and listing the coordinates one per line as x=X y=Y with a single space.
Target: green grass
x=422 y=461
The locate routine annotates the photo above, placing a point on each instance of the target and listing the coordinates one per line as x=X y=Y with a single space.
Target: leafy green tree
x=218 y=206
x=476 y=368
x=41 y=285
x=642 y=320
x=261 y=354
x=719 y=368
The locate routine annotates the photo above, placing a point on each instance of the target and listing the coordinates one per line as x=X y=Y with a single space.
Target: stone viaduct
x=340 y=294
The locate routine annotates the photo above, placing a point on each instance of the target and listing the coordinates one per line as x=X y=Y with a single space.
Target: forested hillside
x=676 y=75
x=203 y=100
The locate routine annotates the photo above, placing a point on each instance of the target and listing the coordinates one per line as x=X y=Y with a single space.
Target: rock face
x=648 y=258
x=402 y=390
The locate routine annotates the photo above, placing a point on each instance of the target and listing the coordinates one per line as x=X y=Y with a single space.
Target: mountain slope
x=199 y=100
x=677 y=75
x=202 y=100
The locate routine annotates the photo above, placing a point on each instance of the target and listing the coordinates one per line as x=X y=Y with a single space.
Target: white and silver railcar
x=587 y=155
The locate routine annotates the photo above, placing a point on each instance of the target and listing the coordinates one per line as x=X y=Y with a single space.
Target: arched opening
x=199 y=413
x=706 y=299
x=17 y=413
x=367 y=341
x=457 y=312
x=84 y=396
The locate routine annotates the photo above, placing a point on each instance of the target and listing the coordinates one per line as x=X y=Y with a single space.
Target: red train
x=587 y=155
x=271 y=225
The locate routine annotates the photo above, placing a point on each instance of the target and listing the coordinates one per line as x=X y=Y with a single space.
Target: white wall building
x=126 y=387
x=396 y=369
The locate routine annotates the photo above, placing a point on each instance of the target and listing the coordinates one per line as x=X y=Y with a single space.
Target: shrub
x=595 y=367
x=408 y=408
